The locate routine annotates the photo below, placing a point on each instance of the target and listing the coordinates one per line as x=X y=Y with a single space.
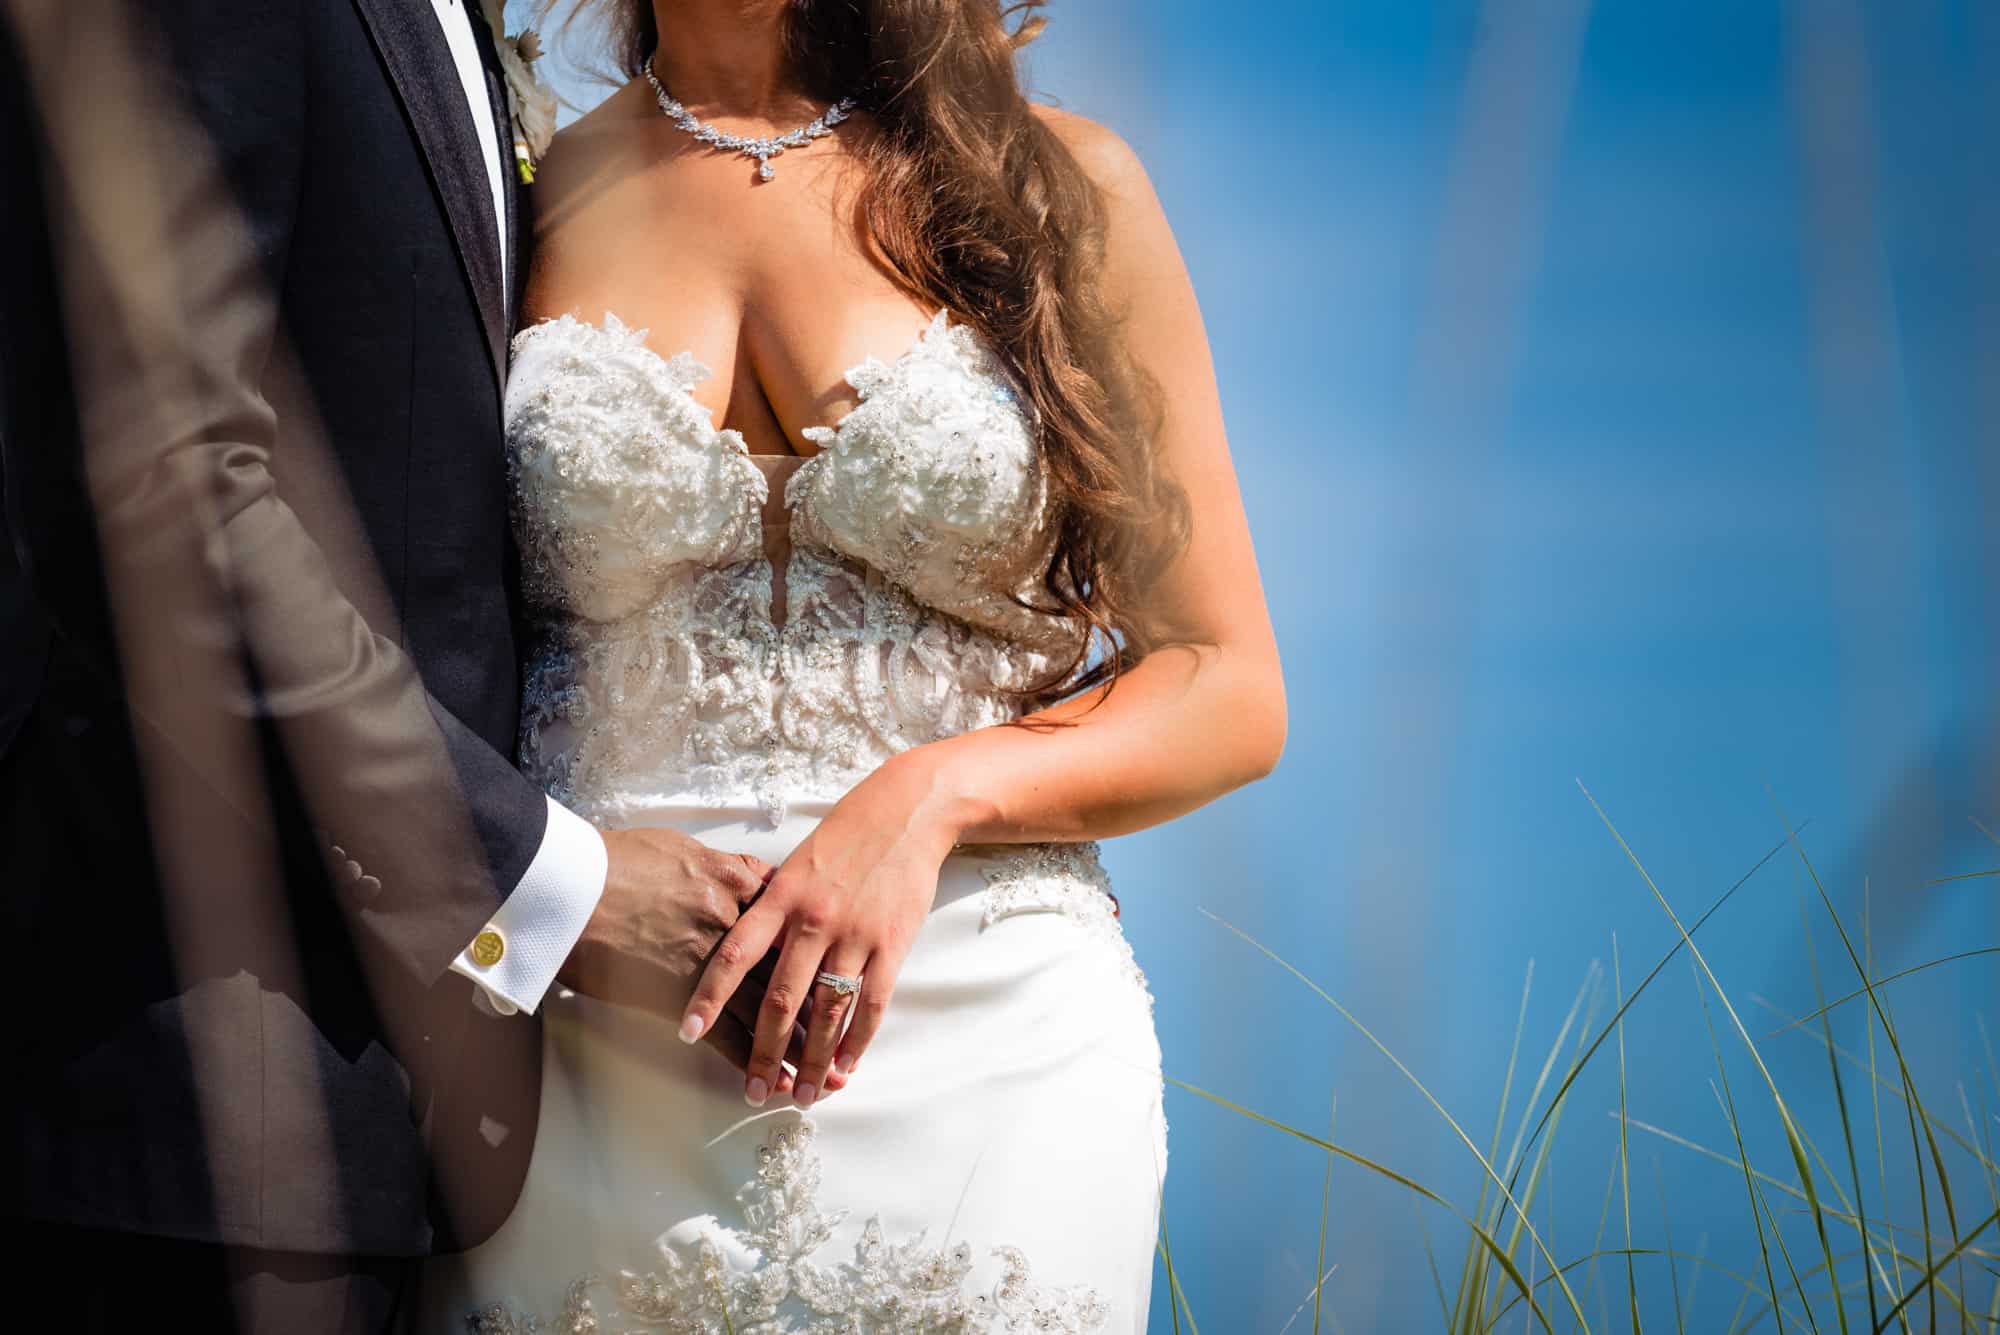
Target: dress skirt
x=995 y=1163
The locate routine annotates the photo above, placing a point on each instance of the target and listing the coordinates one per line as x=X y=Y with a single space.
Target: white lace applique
x=655 y=670
x=1059 y=878
x=903 y=1288
x=934 y=479
x=620 y=478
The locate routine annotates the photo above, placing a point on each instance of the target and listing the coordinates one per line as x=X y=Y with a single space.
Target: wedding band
x=844 y=984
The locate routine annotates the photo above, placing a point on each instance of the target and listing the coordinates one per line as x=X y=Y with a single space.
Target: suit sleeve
x=174 y=137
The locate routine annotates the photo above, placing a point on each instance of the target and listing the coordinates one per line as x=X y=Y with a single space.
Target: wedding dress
x=727 y=643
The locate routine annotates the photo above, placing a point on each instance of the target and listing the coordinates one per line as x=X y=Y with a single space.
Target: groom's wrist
x=519 y=954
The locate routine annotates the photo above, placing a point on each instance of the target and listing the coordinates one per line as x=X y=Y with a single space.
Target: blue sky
x=1611 y=390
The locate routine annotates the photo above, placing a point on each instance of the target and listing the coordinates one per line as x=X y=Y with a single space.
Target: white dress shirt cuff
x=514 y=960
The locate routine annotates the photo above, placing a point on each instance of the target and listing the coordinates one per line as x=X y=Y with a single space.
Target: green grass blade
x=1992 y=1188
x=1930 y=1275
x=1853 y=1219
x=1325 y=1202
x=1976 y=1125
x=1737 y=1315
x=722 y=1304
x=1875 y=1081
x=1858 y=1205
x=1971 y=1148
x=1624 y=1152
x=1888 y=1030
x=1430 y=1098
x=1986 y=1041
x=1963 y=876
x=1785 y=1254
x=1310 y=1300
x=1745 y=1282
x=1694 y=1276
x=1581 y=1007
x=1472 y=1275
x=1771 y=1183
x=1667 y=1228
x=1653 y=973
x=1546 y=1145
x=1860 y=992
x=1728 y=1101
x=1173 y=1308
x=1177 y=1301
x=1722 y=996
x=1597 y=1243
x=1505 y=1262
x=1913 y=1113
x=1437 y=1276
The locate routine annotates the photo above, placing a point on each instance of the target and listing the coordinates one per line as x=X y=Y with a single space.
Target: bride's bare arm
x=1201 y=716
x=1195 y=719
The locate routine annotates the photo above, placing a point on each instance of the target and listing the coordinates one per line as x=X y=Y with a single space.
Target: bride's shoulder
x=1102 y=152
x=626 y=109
x=604 y=142
x=1136 y=226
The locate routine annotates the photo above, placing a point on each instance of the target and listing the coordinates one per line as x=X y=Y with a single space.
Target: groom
x=280 y=910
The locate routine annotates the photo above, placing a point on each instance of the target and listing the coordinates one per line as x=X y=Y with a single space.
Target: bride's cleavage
x=777 y=519
x=766 y=443
x=785 y=443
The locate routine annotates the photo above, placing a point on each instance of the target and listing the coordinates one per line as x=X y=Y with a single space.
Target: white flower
x=529 y=100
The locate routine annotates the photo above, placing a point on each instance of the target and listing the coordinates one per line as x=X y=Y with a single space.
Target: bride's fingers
x=828 y=1013
x=791 y=983
x=732 y=1038
x=869 y=1008
x=742 y=1008
x=742 y=947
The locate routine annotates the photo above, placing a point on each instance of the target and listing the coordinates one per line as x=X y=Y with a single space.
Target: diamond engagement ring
x=846 y=985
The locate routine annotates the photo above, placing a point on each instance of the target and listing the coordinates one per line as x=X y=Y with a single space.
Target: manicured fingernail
x=691 y=1028
x=844 y=1064
x=757 y=1091
x=805 y=1094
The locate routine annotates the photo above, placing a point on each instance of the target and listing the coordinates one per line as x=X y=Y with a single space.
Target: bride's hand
x=849 y=900
x=668 y=900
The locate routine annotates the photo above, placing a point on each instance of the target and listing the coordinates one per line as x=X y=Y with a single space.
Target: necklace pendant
x=761 y=149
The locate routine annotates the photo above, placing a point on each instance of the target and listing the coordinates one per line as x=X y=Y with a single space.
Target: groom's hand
x=667 y=900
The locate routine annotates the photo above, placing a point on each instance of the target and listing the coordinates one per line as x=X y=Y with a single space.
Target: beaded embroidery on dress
x=661 y=690
x=1059 y=878
x=917 y=532
x=887 y=1288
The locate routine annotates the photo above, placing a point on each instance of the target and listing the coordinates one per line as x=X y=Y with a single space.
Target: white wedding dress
x=728 y=643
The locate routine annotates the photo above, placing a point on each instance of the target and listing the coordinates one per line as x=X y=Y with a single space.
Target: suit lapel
x=503 y=120
x=517 y=269
x=413 y=48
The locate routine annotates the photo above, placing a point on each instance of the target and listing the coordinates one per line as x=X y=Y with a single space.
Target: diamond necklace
x=761 y=149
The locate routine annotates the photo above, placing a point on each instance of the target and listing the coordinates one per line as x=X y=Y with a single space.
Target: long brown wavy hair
x=979 y=207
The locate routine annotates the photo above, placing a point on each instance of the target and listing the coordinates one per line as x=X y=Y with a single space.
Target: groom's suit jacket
x=258 y=668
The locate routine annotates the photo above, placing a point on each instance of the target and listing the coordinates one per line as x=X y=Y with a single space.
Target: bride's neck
x=726 y=57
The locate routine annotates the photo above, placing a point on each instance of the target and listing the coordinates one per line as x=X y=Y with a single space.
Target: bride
x=876 y=522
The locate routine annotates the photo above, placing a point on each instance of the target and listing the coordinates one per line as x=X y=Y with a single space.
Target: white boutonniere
x=529 y=100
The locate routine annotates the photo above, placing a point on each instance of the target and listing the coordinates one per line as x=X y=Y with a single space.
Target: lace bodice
x=658 y=671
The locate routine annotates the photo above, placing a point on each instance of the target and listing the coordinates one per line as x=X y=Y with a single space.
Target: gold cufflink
x=487 y=948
